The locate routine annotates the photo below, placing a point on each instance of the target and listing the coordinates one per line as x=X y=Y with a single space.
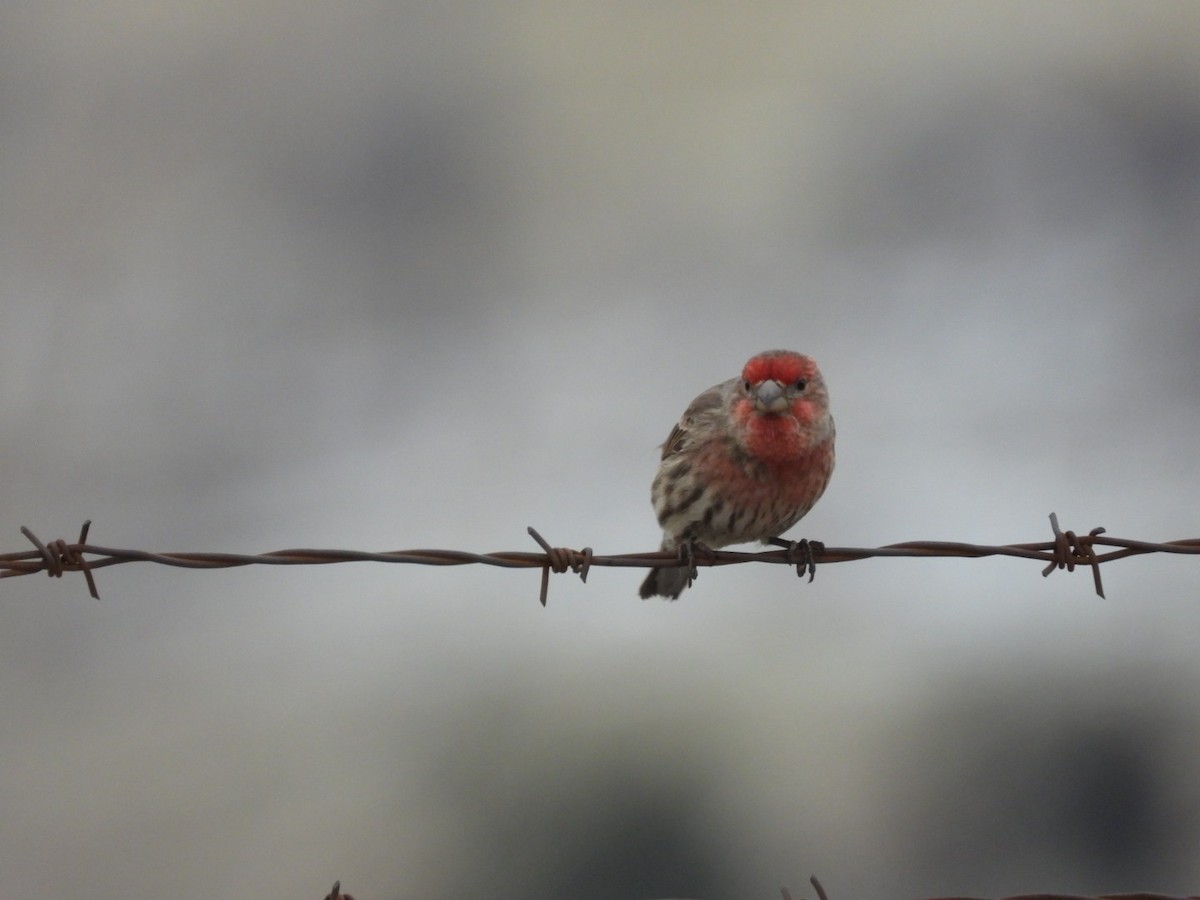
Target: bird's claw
x=687 y=557
x=802 y=554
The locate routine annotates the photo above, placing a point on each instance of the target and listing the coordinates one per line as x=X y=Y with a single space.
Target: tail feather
x=669 y=583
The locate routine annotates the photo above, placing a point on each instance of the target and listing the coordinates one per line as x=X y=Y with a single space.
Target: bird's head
x=780 y=382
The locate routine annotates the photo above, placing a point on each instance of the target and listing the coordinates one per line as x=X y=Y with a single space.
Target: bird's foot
x=802 y=554
x=688 y=551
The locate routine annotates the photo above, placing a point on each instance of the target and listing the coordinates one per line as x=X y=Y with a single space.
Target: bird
x=746 y=461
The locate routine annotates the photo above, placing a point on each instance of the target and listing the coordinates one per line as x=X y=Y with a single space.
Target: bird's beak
x=769 y=398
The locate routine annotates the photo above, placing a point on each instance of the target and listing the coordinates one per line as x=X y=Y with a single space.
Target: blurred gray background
x=391 y=275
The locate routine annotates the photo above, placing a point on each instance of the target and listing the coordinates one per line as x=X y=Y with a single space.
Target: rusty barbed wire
x=821 y=895
x=1066 y=550
x=336 y=894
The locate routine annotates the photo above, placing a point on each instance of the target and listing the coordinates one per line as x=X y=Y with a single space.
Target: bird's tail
x=669 y=582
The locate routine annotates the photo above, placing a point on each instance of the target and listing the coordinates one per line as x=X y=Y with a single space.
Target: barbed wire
x=336 y=894
x=1139 y=895
x=1065 y=551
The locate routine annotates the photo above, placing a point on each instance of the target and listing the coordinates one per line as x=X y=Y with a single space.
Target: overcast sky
x=388 y=275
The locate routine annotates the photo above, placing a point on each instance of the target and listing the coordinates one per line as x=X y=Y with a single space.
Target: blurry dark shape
x=1077 y=897
x=556 y=808
x=1106 y=795
x=973 y=164
x=1046 y=780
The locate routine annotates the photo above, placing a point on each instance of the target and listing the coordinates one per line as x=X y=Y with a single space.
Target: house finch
x=748 y=459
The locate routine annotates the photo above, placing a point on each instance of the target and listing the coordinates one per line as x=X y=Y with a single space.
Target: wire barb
x=1069 y=549
x=58 y=556
x=559 y=560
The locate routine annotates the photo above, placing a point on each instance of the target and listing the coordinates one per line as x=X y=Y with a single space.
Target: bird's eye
x=800 y=385
x=746 y=384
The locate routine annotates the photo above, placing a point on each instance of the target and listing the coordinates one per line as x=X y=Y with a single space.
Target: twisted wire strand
x=1065 y=550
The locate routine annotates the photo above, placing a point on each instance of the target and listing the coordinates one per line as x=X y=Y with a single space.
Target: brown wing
x=704 y=406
